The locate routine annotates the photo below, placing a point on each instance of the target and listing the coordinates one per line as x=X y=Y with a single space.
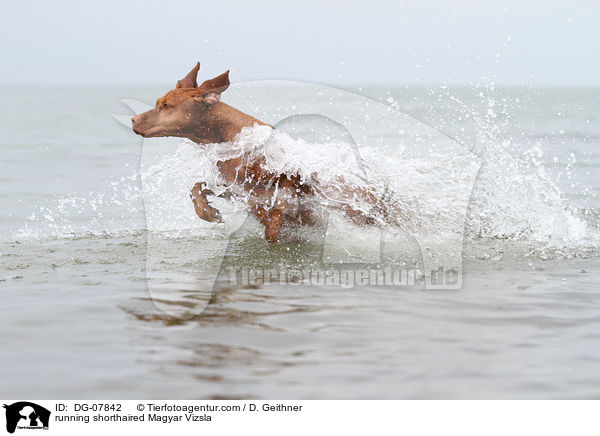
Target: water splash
x=514 y=199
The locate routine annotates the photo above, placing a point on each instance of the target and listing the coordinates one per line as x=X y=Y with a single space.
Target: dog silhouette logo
x=26 y=415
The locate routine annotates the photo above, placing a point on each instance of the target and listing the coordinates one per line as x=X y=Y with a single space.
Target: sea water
x=108 y=277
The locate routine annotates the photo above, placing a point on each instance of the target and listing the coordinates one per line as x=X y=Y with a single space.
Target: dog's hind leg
x=204 y=210
x=259 y=211
x=273 y=227
x=286 y=202
x=358 y=217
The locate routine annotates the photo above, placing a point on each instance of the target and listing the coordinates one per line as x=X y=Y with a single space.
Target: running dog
x=197 y=113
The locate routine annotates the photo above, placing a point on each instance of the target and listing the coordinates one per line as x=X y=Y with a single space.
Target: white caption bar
x=266 y=417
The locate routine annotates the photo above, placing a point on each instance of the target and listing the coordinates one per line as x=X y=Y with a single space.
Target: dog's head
x=183 y=111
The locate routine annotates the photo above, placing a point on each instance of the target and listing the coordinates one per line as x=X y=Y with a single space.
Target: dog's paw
x=211 y=214
x=200 y=189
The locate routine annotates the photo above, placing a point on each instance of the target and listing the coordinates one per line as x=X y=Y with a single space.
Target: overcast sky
x=339 y=42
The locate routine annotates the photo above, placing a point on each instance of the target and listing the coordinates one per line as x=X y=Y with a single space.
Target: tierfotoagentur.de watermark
x=337 y=277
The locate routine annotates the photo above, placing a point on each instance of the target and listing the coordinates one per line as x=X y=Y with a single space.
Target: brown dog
x=196 y=112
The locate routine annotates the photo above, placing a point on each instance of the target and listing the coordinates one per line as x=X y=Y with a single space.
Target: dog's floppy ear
x=189 y=81
x=211 y=89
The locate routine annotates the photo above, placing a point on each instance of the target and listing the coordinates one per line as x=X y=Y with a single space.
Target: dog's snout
x=135 y=119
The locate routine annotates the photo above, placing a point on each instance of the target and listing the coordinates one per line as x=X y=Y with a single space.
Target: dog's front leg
x=204 y=210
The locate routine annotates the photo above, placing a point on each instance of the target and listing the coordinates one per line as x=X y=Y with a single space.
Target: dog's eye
x=164 y=106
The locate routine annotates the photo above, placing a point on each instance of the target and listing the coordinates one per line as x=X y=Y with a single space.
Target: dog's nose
x=135 y=119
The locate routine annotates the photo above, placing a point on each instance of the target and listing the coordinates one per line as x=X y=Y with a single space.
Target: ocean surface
x=112 y=288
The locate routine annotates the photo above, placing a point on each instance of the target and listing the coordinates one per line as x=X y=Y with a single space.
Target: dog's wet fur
x=197 y=113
